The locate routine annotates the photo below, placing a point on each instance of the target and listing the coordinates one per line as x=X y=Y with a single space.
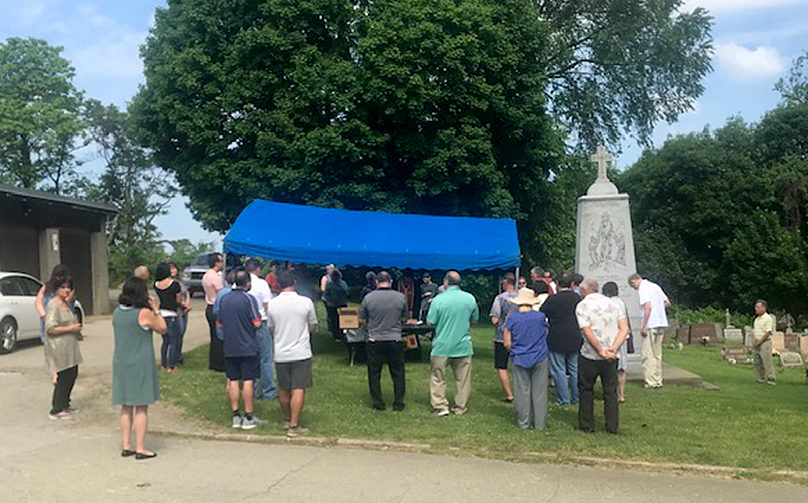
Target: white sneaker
x=249 y=424
x=442 y=412
x=61 y=415
x=237 y=422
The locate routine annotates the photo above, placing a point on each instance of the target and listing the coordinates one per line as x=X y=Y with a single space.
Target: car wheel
x=8 y=335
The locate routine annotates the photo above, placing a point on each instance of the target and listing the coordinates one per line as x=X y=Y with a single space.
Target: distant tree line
x=721 y=216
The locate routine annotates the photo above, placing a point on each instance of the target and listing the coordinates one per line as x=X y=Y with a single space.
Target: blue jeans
x=182 y=316
x=170 y=350
x=562 y=364
x=265 y=347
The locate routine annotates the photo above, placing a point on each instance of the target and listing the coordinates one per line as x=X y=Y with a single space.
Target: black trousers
x=64 y=386
x=216 y=350
x=588 y=373
x=391 y=353
x=333 y=321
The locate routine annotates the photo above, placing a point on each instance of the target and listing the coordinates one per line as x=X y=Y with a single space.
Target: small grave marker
x=790 y=359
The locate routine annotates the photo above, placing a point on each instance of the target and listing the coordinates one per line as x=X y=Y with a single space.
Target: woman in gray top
x=62 y=353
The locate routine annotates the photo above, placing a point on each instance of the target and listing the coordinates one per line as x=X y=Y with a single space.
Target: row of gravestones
x=789 y=347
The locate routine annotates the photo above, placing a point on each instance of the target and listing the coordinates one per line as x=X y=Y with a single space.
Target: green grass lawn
x=742 y=425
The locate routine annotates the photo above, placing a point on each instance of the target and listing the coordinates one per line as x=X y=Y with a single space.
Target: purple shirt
x=528 y=338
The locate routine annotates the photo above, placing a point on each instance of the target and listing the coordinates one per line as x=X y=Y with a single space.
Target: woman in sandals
x=62 y=336
x=134 y=370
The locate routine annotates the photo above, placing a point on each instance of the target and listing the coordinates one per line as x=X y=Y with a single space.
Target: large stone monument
x=604 y=245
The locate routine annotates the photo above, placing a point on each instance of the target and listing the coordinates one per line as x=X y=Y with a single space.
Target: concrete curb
x=682 y=469
x=308 y=441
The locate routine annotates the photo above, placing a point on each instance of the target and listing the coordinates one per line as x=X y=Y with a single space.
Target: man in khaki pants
x=653 y=303
x=764 y=326
x=452 y=313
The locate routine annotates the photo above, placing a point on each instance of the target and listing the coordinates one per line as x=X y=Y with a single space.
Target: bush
x=708 y=314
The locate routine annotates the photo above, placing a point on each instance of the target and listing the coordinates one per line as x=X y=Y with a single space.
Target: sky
x=755 y=43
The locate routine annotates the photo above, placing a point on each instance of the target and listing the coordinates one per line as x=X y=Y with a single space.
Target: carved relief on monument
x=607 y=243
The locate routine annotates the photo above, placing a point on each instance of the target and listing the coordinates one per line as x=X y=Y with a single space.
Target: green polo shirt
x=452 y=313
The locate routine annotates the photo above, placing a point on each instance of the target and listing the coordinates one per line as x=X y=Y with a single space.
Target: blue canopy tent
x=313 y=235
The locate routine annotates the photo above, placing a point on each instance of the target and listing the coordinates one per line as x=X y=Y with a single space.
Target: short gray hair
x=634 y=277
x=452 y=278
x=590 y=284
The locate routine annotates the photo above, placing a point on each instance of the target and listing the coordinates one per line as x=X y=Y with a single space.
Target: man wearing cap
x=452 y=313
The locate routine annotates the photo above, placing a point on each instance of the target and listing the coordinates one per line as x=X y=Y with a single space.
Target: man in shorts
x=500 y=309
x=292 y=320
x=240 y=319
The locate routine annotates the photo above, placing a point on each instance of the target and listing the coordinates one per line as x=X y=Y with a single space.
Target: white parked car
x=18 y=317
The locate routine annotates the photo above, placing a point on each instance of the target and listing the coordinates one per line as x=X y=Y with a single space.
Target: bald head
x=452 y=278
x=142 y=272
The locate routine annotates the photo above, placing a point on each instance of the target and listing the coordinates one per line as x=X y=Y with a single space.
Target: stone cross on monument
x=602 y=185
x=602 y=158
x=604 y=244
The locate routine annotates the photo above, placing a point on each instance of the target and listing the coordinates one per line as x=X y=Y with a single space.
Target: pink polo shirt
x=211 y=284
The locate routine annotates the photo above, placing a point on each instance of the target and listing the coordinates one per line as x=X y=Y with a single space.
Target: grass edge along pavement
x=742 y=430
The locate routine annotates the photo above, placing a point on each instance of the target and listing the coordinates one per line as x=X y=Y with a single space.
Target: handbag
x=630 y=344
x=630 y=340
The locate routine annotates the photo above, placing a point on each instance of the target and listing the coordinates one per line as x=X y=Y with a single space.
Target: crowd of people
x=559 y=333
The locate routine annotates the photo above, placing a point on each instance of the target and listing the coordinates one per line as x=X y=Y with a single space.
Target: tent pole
x=517 y=276
x=224 y=270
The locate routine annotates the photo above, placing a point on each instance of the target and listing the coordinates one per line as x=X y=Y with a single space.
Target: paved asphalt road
x=45 y=460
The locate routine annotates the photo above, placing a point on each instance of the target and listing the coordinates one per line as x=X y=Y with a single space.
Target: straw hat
x=526 y=297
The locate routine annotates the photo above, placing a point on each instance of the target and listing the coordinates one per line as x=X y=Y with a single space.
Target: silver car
x=18 y=317
x=192 y=275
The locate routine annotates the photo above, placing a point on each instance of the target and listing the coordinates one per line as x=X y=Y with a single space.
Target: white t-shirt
x=651 y=292
x=259 y=289
x=602 y=316
x=289 y=315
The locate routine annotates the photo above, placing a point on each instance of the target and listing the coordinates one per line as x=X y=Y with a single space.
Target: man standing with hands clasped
x=764 y=326
x=605 y=327
x=653 y=302
x=382 y=312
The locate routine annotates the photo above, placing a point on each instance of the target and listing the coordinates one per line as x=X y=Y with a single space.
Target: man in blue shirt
x=240 y=318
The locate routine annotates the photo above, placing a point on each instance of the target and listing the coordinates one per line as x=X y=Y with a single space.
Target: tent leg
x=517 y=275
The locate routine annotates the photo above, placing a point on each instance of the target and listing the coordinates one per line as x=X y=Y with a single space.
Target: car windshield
x=200 y=261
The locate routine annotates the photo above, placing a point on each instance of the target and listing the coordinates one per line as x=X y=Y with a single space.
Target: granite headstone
x=604 y=245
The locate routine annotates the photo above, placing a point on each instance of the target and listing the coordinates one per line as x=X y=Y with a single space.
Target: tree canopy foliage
x=45 y=122
x=433 y=106
x=40 y=116
x=719 y=215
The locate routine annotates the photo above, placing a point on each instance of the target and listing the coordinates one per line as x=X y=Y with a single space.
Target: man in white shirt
x=605 y=327
x=260 y=290
x=653 y=303
x=292 y=320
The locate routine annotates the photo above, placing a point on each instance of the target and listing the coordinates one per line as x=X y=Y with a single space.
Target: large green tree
x=435 y=106
x=716 y=222
x=41 y=123
x=130 y=182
